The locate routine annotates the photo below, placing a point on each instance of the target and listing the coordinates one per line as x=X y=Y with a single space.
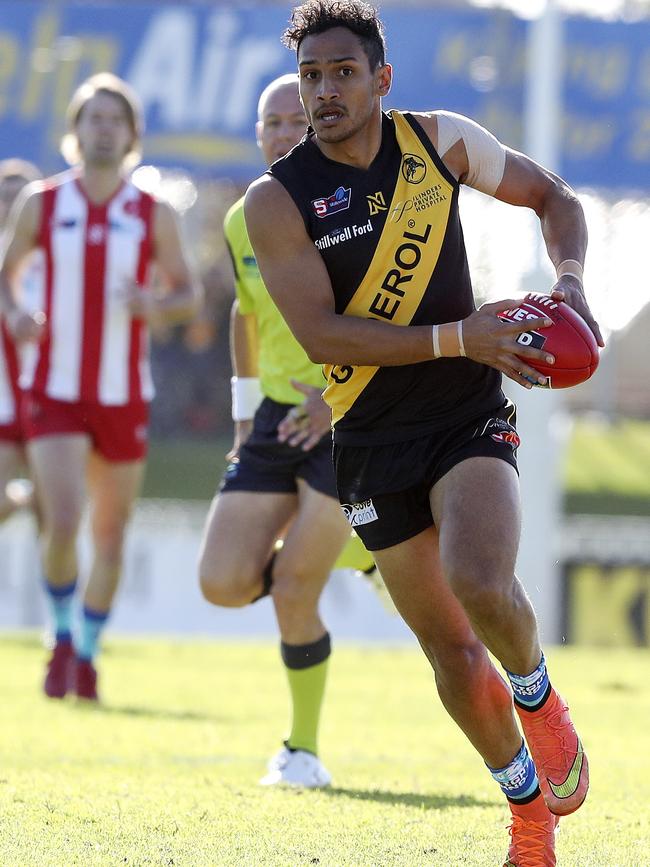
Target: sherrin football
x=569 y=339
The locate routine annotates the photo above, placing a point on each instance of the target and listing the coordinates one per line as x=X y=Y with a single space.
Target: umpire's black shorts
x=268 y=466
x=384 y=490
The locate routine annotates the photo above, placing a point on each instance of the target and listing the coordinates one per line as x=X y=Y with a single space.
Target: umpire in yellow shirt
x=279 y=484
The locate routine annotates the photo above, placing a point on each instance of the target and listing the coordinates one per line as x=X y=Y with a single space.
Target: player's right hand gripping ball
x=569 y=339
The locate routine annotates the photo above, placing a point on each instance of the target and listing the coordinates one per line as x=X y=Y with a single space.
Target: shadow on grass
x=152 y=712
x=409 y=799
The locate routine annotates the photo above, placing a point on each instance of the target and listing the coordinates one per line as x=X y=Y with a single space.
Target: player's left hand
x=307 y=423
x=569 y=290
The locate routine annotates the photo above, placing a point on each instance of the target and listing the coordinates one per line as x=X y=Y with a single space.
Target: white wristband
x=570 y=268
x=459 y=333
x=447 y=340
x=246 y=396
x=435 y=337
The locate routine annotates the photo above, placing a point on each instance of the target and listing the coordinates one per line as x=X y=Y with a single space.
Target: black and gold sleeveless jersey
x=392 y=242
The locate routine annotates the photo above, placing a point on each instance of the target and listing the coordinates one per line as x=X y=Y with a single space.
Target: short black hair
x=318 y=16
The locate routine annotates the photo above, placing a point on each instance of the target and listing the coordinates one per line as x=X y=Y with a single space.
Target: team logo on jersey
x=360 y=513
x=338 y=201
x=96 y=234
x=414 y=168
x=376 y=203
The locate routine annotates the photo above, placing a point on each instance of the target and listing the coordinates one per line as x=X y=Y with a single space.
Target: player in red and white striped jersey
x=14 y=175
x=86 y=405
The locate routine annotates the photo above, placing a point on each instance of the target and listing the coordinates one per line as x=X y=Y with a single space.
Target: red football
x=569 y=339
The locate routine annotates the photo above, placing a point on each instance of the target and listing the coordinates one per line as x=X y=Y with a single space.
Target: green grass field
x=165 y=771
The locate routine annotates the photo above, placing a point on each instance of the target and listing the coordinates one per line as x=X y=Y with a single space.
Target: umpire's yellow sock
x=306 y=666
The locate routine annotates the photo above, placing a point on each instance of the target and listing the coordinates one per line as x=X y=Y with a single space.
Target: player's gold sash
x=404 y=260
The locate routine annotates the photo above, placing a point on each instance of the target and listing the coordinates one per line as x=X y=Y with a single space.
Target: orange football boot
x=532 y=835
x=561 y=763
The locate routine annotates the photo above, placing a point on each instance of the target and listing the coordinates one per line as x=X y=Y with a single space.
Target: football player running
x=368 y=205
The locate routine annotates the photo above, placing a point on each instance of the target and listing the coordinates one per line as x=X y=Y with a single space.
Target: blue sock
x=531 y=690
x=92 y=623
x=60 y=599
x=518 y=780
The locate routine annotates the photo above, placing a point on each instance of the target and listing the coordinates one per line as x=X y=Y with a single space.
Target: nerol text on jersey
x=407 y=257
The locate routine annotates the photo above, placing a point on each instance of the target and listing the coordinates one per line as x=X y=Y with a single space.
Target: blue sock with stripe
x=90 y=629
x=531 y=690
x=60 y=599
x=518 y=780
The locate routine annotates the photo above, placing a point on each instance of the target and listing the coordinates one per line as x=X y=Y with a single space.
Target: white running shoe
x=296 y=768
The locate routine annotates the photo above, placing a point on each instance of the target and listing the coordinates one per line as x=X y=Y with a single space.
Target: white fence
x=160 y=592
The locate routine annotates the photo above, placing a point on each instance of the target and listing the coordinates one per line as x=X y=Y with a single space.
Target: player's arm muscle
x=520 y=181
x=481 y=161
x=527 y=184
x=184 y=291
x=561 y=218
x=295 y=275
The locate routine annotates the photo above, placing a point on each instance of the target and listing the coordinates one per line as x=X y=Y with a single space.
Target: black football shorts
x=268 y=466
x=384 y=490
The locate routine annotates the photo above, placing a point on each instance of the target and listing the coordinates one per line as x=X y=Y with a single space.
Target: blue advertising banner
x=199 y=70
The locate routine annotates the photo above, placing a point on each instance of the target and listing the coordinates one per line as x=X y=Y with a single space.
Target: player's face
x=103 y=131
x=282 y=123
x=337 y=87
x=9 y=189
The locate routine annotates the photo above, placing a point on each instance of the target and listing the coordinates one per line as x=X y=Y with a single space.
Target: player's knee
x=295 y=586
x=109 y=542
x=223 y=589
x=62 y=528
x=482 y=587
x=486 y=604
x=459 y=661
x=224 y=595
